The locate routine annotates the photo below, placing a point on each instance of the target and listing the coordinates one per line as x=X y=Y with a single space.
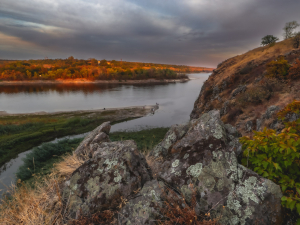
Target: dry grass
x=177 y=210
x=42 y=204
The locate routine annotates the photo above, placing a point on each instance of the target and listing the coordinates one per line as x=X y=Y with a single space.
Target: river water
x=176 y=101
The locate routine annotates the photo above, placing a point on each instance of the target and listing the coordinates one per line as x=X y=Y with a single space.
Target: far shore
x=138 y=111
x=84 y=81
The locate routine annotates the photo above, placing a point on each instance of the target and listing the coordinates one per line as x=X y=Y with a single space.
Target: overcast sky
x=189 y=32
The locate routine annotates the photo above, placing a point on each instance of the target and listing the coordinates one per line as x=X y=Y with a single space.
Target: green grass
x=145 y=139
x=21 y=133
x=40 y=161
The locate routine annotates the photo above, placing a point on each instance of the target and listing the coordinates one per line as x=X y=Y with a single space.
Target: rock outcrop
x=115 y=172
x=97 y=136
x=198 y=160
x=205 y=158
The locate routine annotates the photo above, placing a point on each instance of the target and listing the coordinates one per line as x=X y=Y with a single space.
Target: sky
x=185 y=32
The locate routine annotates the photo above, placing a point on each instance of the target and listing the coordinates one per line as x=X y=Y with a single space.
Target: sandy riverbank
x=84 y=81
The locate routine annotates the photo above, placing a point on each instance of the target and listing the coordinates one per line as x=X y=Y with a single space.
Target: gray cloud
x=191 y=32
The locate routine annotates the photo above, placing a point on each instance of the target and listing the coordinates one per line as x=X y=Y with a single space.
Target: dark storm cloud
x=193 y=32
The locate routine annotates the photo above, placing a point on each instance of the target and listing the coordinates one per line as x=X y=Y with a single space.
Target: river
x=176 y=101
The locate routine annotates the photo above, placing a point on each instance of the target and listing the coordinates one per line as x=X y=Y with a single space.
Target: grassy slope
x=247 y=69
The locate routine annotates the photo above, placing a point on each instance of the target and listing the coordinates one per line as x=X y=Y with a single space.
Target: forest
x=91 y=69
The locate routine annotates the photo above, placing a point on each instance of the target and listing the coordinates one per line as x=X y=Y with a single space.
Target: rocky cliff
x=245 y=97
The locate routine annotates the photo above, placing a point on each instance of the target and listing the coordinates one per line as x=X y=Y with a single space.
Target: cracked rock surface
x=202 y=154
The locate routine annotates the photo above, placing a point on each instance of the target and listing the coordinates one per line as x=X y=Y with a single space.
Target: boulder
x=98 y=135
x=116 y=172
x=205 y=160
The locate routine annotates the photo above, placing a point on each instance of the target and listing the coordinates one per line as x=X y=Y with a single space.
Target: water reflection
x=176 y=102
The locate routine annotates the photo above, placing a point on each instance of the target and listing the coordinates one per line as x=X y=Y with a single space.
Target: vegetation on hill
x=70 y=68
x=243 y=87
x=276 y=156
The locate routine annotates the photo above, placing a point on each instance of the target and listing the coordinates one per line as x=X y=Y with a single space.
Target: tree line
x=91 y=69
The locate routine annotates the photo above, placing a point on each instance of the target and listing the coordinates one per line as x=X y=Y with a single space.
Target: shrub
x=276 y=157
x=293 y=107
x=294 y=71
x=268 y=39
x=256 y=95
x=278 y=68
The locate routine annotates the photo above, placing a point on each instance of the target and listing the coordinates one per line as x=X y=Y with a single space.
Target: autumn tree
x=103 y=62
x=289 y=29
x=268 y=39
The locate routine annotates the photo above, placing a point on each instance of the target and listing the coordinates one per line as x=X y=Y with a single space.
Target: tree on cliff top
x=296 y=40
x=268 y=39
x=289 y=29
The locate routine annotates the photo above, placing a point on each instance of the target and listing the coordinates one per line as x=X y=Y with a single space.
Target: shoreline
x=84 y=81
x=147 y=108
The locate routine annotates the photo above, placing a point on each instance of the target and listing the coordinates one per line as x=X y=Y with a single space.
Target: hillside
x=92 y=69
x=242 y=88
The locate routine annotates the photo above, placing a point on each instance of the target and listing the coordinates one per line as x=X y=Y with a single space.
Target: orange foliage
x=293 y=107
x=294 y=71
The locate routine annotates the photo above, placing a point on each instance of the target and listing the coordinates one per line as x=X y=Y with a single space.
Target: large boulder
x=97 y=136
x=116 y=172
x=206 y=159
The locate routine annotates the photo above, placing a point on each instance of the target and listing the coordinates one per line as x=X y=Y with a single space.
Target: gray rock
x=98 y=135
x=270 y=111
x=268 y=115
x=205 y=159
x=144 y=207
x=224 y=109
x=258 y=124
x=175 y=133
x=238 y=90
x=249 y=126
x=231 y=130
x=116 y=171
x=291 y=117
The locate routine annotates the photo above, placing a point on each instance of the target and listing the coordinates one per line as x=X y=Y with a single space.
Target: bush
x=278 y=68
x=276 y=157
x=254 y=95
x=294 y=71
x=293 y=107
x=268 y=39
